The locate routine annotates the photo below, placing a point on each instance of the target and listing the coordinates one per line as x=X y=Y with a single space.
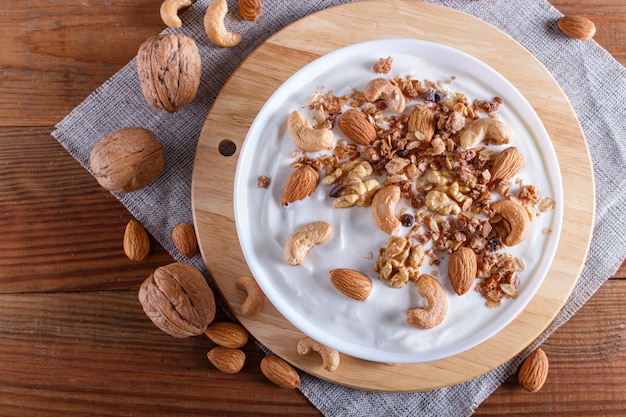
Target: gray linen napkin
x=594 y=82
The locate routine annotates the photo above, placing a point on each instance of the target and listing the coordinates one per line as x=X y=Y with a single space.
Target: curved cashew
x=383 y=209
x=517 y=218
x=305 y=136
x=214 y=25
x=330 y=357
x=485 y=129
x=169 y=12
x=383 y=89
x=437 y=304
x=303 y=239
x=254 y=296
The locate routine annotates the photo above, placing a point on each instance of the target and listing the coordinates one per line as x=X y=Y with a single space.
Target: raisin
x=407 y=220
x=403 y=153
x=435 y=96
x=494 y=243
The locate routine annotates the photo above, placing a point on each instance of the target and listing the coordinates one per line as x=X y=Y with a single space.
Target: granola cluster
x=449 y=189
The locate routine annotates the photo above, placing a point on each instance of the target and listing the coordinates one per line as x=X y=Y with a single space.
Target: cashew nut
x=383 y=209
x=437 y=304
x=485 y=129
x=303 y=239
x=254 y=296
x=383 y=89
x=305 y=136
x=517 y=219
x=330 y=357
x=214 y=25
x=169 y=12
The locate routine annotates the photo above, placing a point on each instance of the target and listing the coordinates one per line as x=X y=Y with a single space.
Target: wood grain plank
x=61 y=230
x=97 y=354
x=55 y=54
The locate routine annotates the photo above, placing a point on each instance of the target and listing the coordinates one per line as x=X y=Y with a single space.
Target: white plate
x=375 y=329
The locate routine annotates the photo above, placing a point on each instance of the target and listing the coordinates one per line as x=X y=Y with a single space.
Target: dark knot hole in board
x=227 y=147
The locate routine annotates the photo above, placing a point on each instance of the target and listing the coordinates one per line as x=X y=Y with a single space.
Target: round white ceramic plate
x=375 y=329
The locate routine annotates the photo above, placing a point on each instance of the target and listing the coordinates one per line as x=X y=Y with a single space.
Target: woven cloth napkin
x=594 y=82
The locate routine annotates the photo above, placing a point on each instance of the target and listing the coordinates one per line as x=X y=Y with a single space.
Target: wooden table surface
x=73 y=337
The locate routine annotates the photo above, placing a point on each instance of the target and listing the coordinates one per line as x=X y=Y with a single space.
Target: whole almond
x=534 y=371
x=227 y=334
x=136 y=241
x=184 y=238
x=462 y=268
x=250 y=9
x=300 y=184
x=227 y=360
x=577 y=27
x=280 y=372
x=351 y=283
x=507 y=164
x=422 y=123
x=356 y=126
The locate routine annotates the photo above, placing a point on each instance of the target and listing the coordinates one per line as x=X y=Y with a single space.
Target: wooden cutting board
x=295 y=46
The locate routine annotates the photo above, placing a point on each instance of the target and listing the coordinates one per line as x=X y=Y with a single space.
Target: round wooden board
x=302 y=42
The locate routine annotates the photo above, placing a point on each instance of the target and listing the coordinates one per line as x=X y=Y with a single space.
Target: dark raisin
x=403 y=153
x=435 y=96
x=494 y=243
x=407 y=220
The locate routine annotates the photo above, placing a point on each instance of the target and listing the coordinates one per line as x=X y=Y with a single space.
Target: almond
x=351 y=283
x=577 y=27
x=250 y=9
x=280 y=372
x=227 y=334
x=534 y=371
x=356 y=126
x=507 y=164
x=136 y=242
x=227 y=360
x=301 y=184
x=184 y=239
x=422 y=123
x=462 y=268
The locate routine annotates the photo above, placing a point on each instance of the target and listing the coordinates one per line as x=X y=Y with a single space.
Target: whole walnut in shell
x=169 y=68
x=178 y=300
x=127 y=159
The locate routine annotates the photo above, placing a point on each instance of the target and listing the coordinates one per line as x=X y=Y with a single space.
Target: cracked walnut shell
x=169 y=68
x=178 y=300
